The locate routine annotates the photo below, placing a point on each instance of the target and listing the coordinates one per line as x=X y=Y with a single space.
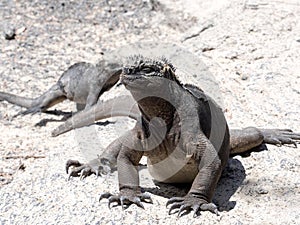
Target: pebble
x=262 y=191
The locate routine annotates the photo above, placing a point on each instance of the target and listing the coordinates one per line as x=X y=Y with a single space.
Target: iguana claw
x=72 y=163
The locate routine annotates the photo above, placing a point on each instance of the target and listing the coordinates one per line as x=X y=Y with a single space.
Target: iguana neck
x=155 y=107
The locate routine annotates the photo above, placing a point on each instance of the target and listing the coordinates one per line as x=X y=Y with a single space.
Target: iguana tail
x=40 y=104
x=17 y=100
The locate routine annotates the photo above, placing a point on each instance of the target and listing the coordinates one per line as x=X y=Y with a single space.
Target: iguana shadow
x=43 y=122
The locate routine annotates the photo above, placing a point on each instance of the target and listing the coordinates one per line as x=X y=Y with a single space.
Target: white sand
x=255 y=55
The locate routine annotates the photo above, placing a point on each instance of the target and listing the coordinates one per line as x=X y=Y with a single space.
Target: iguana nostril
x=127 y=70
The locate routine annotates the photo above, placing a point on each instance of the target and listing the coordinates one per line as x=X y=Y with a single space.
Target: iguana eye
x=147 y=69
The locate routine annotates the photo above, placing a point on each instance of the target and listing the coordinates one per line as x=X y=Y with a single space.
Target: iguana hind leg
x=248 y=138
x=280 y=137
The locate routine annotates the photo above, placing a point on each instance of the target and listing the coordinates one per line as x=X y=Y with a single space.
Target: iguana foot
x=280 y=136
x=189 y=203
x=127 y=197
x=78 y=169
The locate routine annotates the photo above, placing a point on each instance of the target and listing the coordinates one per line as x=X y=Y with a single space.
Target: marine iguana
x=182 y=132
x=82 y=83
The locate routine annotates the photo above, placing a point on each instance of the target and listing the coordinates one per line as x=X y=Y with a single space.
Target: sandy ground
x=252 y=48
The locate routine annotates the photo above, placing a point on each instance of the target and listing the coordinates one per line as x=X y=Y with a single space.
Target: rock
x=10 y=33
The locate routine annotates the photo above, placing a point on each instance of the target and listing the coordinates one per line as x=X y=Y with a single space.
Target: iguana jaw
x=134 y=82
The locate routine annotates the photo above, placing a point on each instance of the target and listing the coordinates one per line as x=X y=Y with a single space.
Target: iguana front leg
x=130 y=191
x=105 y=163
x=200 y=195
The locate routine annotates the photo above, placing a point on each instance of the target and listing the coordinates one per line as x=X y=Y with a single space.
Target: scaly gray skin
x=189 y=143
x=118 y=106
x=82 y=83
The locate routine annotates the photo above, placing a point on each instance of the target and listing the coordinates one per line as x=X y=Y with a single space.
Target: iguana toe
x=210 y=207
x=72 y=163
x=138 y=202
x=183 y=209
x=126 y=201
x=174 y=206
x=113 y=199
x=145 y=197
x=86 y=172
x=174 y=200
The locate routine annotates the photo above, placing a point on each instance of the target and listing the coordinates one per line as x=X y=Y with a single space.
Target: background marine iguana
x=82 y=83
x=182 y=132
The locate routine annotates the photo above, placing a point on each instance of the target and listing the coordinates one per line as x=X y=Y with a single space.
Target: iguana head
x=141 y=72
x=153 y=84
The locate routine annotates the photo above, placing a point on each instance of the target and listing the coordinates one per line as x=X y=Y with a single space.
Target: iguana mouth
x=130 y=77
x=133 y=80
